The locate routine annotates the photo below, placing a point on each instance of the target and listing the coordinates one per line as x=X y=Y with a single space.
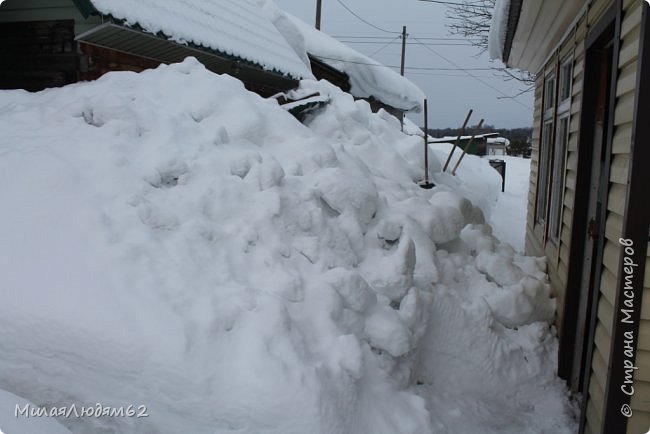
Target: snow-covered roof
x=367 y=76
x=236 y=28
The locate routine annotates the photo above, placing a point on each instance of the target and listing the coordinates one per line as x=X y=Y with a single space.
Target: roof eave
x=514 y=12
x=86 y=7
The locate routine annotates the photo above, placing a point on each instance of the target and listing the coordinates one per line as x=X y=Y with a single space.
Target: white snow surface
x=498 y=29
x=367 y=76
x=238 y=28
x=508 y=218
x=238 y=272
x=12 y=405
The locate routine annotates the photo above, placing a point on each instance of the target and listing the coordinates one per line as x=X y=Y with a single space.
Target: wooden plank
x=639 y=423
x=644 y=335
x=616 y=198
x=613 y=226
x=622 y=143
x=594 y=418
x=606 y=314
x=641 y=399
x=570 y=179
x=608 y=285
x=602 y=339
x=643 y=363
x=619 y=169
x=569 y=199
x=596 y=393
x=611 y=256
x=624 y=112
x=599 y=366
x=631 y=18
x=626 y=80
x=567 y=217
x=597 y=9
x=630 y=48
x=562 y=273
x=645 y=308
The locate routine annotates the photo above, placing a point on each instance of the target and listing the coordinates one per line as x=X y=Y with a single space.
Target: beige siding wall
x=45 y=10
x=536 y=237
x=640 y=404
x=536 y=242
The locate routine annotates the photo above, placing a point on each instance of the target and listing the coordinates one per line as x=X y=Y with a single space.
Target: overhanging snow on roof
x=238 y=29
x=368 y=78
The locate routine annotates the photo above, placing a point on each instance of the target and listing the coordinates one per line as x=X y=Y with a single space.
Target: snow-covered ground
x=508 y=218
x=172 y=240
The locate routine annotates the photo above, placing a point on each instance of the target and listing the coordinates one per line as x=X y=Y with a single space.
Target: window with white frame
x=557 y=187
x=542 y=174
x=560 y=150
x=545 y=147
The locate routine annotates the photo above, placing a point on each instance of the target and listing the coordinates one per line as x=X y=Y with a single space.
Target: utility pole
x=318 y=8
x=403 y=48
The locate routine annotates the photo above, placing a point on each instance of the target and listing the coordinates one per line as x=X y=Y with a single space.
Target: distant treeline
x=520 y=138
x=519 y=135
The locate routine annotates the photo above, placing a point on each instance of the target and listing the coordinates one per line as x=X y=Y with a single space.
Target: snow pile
x=368 y=78
x=174 y=241
x=498 y=29
x=238 y=28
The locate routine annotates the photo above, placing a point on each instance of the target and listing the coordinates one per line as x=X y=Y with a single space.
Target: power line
x=443 y=44
x=383 y=47
x=415 y=68
x=456 y=4
x=363 y=20
x=387 y=37
x=470 y=74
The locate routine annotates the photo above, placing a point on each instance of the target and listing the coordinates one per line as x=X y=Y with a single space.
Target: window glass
x=557 y=189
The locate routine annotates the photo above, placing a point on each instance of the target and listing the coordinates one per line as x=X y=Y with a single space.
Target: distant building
x=497 y=146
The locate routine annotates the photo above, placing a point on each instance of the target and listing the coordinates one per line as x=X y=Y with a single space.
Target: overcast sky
x=451 y=92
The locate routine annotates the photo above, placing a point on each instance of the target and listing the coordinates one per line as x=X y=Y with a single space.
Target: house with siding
x=46 y=43
x=588 y=210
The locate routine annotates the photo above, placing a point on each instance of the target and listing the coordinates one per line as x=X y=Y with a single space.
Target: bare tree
x=471 y=20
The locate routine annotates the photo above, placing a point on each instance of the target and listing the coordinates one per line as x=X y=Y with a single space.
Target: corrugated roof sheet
x=237 y=28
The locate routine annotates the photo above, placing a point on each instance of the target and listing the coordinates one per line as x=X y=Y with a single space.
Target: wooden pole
x=460 y=135
x=480 y=124
x=403 y=50
x=318 y=13
x=426 y=143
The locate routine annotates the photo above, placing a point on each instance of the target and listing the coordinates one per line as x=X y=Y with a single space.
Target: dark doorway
x=590 y=209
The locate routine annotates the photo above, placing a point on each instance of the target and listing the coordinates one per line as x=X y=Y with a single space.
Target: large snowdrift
x=172 y=240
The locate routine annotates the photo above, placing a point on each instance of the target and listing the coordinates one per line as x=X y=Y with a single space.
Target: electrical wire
x=415 y=68
x=473 y=76
x=437 y=44
x=383 y=47
x=363 y=20
x=386 y=37
x=456 y=4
